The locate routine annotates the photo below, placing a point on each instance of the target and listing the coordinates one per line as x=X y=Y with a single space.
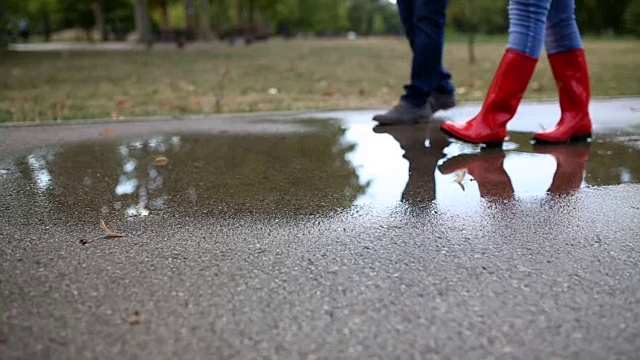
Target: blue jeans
x=423 y=22
x=534 y=22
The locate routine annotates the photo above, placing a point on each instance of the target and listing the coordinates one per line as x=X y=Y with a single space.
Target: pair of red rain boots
x=489 y=127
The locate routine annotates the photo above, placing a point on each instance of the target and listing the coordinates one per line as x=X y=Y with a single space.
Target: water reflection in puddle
x=337 y=166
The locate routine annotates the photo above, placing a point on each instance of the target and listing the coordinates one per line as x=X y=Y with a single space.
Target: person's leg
x=427 y=73
x=527 y=20
x=569 y=66
x=405 y=9
x=430 y=89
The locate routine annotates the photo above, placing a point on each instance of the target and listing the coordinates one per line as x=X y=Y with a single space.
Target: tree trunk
x=4 y=38
x=471 y=50
x=46 y=26
x=165 y=14
x=205 y=21
x=239 y=15
x=98 y=15
x=252 y=10
x=190 y=12
x=143 y=22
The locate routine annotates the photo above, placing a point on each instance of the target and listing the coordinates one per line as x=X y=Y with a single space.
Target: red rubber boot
x=572 y=78
x=489 y=127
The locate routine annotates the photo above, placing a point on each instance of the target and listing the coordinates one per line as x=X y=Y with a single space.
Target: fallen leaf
x=272 y=91
x=460 y=178
x=473 y=84
x=537 y=86
x=122 y=102
x=329 y=93
x=361 y=92
x=109 y=232
x=461 y=90
x=160 y=161
x=107 y=132
x=186 y=86
x=196 y=104
x=165 y=103
x=136 y=318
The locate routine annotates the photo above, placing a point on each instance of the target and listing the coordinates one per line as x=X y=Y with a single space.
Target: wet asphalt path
x=289 y=238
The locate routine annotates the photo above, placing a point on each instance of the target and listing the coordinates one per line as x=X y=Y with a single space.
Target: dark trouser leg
x=427 y=32
x=405 y=9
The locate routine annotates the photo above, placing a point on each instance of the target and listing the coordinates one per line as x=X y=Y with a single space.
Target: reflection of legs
x=422 y=160
x=571 y=160
x=487 y=169
x=569 y=66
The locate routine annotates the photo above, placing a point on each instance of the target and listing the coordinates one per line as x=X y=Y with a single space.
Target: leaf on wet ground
x=160 y=161
x=110 y=233
x=136 y=318
x=460 y=179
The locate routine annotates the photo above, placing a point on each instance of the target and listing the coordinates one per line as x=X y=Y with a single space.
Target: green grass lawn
x=279 y=75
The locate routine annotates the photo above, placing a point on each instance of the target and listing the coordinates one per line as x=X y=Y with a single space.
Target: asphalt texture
x=319 y=236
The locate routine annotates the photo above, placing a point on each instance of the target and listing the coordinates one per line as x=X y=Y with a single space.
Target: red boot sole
x=492 y=144
x=573 y=139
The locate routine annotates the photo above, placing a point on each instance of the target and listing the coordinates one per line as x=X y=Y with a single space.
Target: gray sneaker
x=404 y=113
x=439 y=101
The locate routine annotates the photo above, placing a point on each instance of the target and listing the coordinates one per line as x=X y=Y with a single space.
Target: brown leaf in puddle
x=107 y=132
x=109 y=232
x=136 y=318
x=460 y=179
x=160 y=161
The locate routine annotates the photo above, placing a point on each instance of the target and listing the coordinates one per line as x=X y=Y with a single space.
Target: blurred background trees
x=205 y=19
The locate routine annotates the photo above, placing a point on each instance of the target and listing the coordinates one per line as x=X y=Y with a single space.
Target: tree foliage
x=296 y=16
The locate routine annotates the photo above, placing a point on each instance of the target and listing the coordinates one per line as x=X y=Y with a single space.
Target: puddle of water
x=335 y=167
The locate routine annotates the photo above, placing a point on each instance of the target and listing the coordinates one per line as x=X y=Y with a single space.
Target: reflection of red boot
x=572 y=78
x=571 y=160
x=489 y=127
x=487 y=169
